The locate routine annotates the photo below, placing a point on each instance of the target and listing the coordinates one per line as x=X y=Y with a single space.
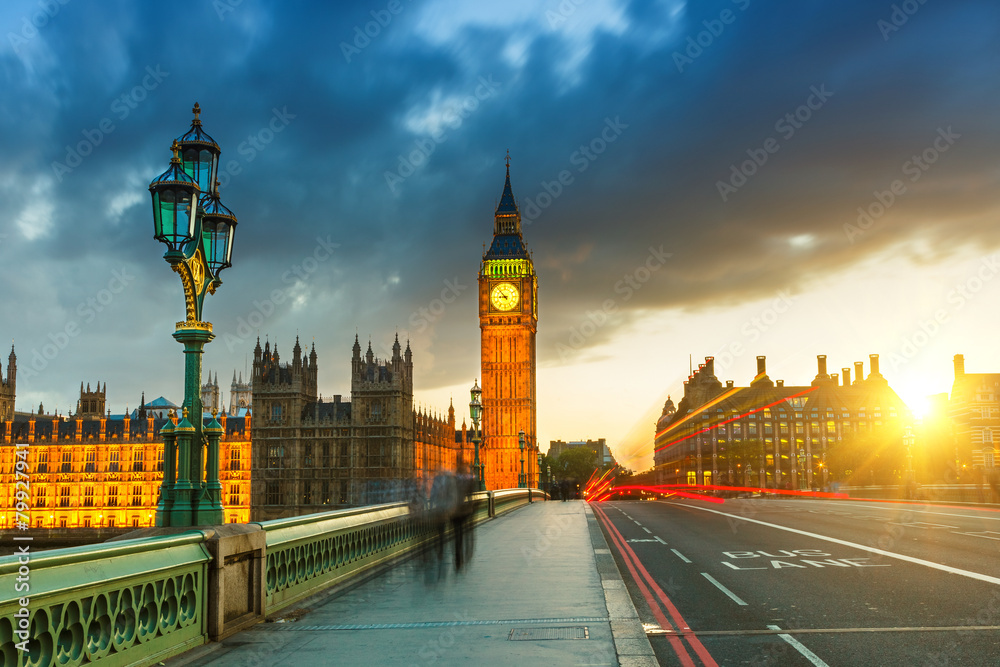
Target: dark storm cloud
x=308 y=139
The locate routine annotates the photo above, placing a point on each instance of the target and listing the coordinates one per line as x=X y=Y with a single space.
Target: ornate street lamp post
x=198 y=231
x=521 y=482
x=908 y=440
x=476 y=410
x=548 y=479
x=538 y=475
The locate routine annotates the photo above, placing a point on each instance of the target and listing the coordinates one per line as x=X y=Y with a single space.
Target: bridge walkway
x=541 y=589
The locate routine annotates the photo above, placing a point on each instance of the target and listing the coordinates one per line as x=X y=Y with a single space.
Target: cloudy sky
x=725 y=178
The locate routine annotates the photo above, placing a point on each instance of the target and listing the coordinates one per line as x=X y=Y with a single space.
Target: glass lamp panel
x=209 y=244
x=230 y=237
x=199 y=165
x=162 y=225
x=173 y=218
x=216 y=237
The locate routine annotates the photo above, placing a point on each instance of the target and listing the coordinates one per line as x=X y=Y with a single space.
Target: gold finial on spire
x=185 y=413
x=508 y=159
x=175 y=148
x=196 y=110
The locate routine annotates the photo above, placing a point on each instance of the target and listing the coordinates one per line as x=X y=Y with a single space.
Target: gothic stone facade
x=508 y=321
x=312 y=455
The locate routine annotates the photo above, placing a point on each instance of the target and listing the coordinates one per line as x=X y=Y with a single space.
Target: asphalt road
x=811 y=582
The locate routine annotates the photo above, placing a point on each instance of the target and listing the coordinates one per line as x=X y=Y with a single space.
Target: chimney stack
x=859 y=371
x=761 y=366
x=821 y=364
x=710 y=366
x=781 y=383
x=847 y=376
x=729 y=384
x=959 y=365
x=873 y=359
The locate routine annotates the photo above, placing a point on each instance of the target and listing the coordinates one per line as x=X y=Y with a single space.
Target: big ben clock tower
x=508 y=320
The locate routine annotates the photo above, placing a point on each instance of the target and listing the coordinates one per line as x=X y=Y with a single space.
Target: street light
x=908 y=440
x=801 y=475
x=476 y=410
x=198 y=230
x=548 y=479
x=521 y=482
x=538 y=476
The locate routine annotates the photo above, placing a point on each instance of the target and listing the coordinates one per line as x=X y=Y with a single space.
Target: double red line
x=655 y=597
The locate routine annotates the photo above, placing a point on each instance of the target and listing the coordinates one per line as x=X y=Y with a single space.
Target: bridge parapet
x=116 y=603
x=139 y=601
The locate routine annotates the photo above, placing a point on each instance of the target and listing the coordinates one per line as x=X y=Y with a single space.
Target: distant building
x=95 y=471
x=794 y=426
x=240 y=396
x=8 y=387
x=974 y=409
x=599 y=447
x=311 y=455
x=158 y=408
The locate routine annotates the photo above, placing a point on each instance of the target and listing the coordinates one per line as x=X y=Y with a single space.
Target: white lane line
x=914 y=508
x=647 y=530
x=909 y=559
x=680 y=555
x=636 y=522
x=986 y=534
x=798 y=646
x=659 y=540
x=725 y=590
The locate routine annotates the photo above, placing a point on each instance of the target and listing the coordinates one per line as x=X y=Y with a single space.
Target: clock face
x=504 y=296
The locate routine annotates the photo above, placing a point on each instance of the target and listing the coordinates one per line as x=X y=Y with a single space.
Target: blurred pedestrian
x=462 y=517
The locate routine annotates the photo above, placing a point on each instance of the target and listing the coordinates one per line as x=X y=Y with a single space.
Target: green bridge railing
x=137 y=602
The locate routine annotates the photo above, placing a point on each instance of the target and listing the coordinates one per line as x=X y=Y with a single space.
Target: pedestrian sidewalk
x=542 y=588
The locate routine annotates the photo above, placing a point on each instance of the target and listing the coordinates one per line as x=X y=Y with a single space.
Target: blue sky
x=681 y=166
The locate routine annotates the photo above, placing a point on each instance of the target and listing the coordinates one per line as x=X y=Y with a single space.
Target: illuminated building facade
x=974 y=409
x=96 y=471
x=508 y=321
x=768 y=434
x=312 y=455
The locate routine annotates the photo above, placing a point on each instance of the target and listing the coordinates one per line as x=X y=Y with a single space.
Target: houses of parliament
x=287 y=450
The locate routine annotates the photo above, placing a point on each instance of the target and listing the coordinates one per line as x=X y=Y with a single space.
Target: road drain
x=533 y=634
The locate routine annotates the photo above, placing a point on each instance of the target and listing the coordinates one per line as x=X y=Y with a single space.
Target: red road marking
x=678 y=621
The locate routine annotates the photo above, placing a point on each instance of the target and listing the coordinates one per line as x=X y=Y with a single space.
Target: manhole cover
x=532 y=634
